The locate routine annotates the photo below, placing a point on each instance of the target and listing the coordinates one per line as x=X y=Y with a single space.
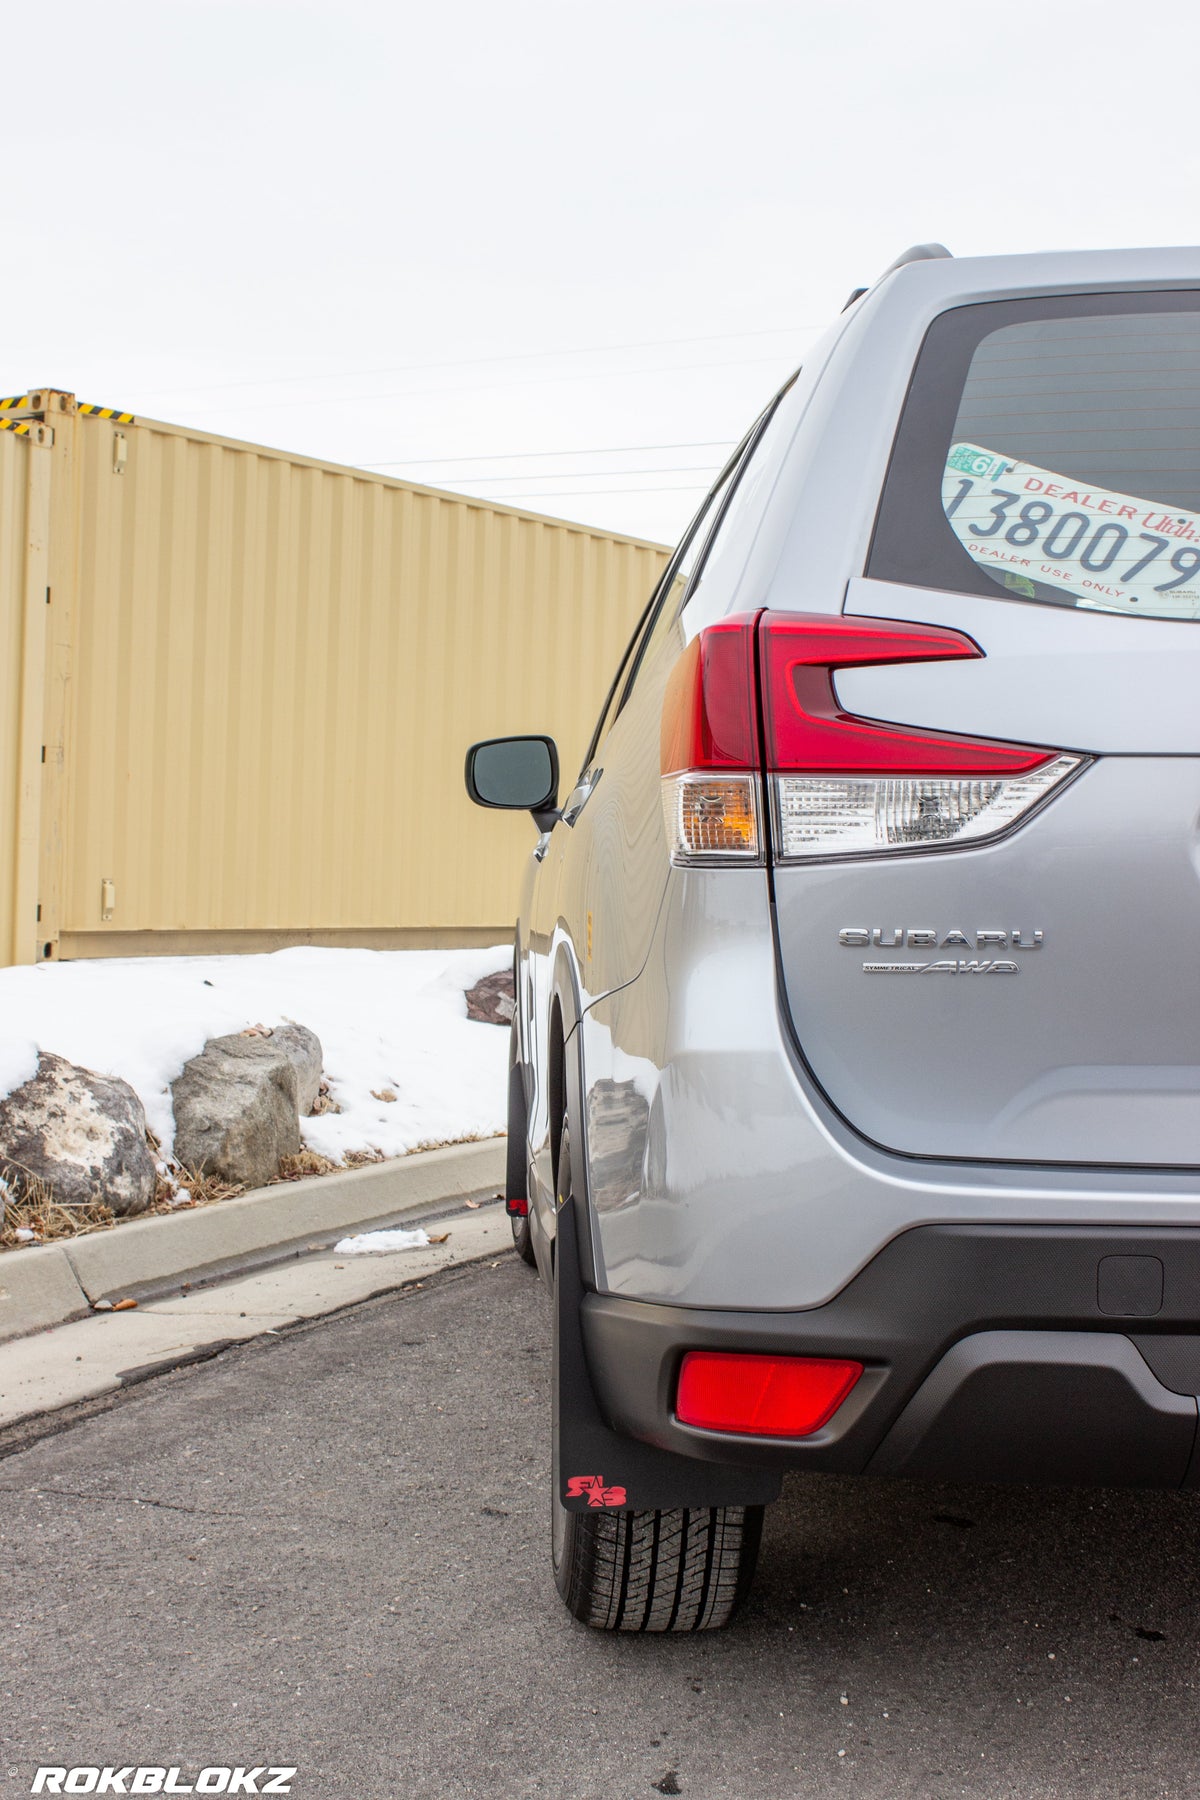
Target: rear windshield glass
x=1050 y=450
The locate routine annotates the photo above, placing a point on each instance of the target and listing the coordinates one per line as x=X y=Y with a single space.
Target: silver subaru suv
x=855 y=1088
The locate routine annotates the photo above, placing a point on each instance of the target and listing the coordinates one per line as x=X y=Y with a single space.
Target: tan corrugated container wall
x=14 y=457
x=276 y=666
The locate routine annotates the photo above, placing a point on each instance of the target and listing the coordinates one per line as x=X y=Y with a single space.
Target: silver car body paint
x=761 y=1117
x=722 y=1177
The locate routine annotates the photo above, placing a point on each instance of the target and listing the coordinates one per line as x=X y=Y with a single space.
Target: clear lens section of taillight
x=820 y=816
x=712 y=818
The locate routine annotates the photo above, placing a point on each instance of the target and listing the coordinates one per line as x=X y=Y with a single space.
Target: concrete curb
x=52 y=1283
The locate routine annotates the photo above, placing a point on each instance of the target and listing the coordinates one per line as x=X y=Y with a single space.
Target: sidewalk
x=105 y=1351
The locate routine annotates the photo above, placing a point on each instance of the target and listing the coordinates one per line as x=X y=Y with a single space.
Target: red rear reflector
x=807 y=730
x=762 y=1396
x=517 y=1209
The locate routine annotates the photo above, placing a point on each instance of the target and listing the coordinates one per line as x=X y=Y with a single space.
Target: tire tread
x=682 y=1570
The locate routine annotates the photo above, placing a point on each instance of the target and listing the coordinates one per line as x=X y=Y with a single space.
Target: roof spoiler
x=914 y=253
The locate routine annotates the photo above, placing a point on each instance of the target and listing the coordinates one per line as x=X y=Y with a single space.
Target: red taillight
x=709 y=718
x=709 y=748
x=808 y=732
x=838 y=785
x=762 y=1396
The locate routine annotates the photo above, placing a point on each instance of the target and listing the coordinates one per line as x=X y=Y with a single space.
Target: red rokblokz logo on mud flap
x=592 y=1486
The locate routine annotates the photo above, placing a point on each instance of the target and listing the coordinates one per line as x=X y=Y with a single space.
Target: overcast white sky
x=559 y=253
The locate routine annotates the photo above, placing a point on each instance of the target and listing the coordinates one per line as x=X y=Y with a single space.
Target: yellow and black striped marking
x=20 y=426
x=15 y=403
x=108 y=412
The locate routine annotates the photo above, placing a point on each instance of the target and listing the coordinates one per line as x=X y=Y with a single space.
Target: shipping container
x=237 y=685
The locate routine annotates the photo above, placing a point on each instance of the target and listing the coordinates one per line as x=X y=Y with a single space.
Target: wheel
x=684 y=1570
x=522 y=1242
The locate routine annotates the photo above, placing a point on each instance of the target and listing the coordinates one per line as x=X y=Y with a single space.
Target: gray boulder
x=82 y=1134
x=302 y=1048
x=491 y=1001
x=238 y=1104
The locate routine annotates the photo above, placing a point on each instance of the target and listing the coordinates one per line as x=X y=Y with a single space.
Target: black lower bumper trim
x=991 y=1353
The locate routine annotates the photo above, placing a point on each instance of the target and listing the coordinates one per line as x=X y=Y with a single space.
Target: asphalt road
x=329 y=1550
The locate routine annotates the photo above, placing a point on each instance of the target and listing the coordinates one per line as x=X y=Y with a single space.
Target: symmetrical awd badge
x=920 y=937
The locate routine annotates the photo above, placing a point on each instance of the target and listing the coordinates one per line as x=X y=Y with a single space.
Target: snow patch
x=388 y=1020
x=371 y=1243
x=18 y=1064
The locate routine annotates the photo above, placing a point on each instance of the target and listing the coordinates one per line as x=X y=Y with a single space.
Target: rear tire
x=522 y=1242
x=688 y=1569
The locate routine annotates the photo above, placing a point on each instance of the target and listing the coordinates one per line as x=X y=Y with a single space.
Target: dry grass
x=197 y=1190
x=305 y=1162
x=32 y=1207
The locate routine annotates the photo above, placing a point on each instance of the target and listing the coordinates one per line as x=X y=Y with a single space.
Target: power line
x=679 y=487
x=737 y=362
x=467 y=362
x=432 y=462
x=585 y=474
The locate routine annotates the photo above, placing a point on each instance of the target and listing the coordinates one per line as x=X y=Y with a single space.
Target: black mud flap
x=594 y=1466
x=516 y=1176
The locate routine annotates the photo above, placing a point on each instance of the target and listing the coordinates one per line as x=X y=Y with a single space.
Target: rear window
x=1049 y=450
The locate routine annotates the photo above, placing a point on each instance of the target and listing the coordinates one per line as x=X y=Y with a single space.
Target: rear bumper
x=991 y=1353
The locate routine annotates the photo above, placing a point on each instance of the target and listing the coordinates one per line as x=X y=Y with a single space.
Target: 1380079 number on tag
x=1111 y=551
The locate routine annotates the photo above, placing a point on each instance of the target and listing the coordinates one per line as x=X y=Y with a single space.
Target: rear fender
x=558 y=1038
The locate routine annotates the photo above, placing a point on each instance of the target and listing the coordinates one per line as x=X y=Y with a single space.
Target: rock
x=238 y=1104
x=81 y=1133
x=302 y=1048
x=491 y=1001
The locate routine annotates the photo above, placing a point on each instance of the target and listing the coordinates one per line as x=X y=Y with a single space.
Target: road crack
x=206 y=1512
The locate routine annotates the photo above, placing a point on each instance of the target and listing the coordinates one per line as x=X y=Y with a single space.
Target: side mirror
x=519 y=774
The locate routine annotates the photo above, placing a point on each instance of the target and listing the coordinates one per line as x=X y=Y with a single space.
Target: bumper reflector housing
x=762 y=1396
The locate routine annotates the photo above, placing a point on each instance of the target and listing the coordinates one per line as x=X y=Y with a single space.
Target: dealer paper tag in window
x=1111 y=551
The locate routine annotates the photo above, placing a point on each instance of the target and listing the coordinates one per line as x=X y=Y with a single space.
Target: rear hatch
x=988 y=906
